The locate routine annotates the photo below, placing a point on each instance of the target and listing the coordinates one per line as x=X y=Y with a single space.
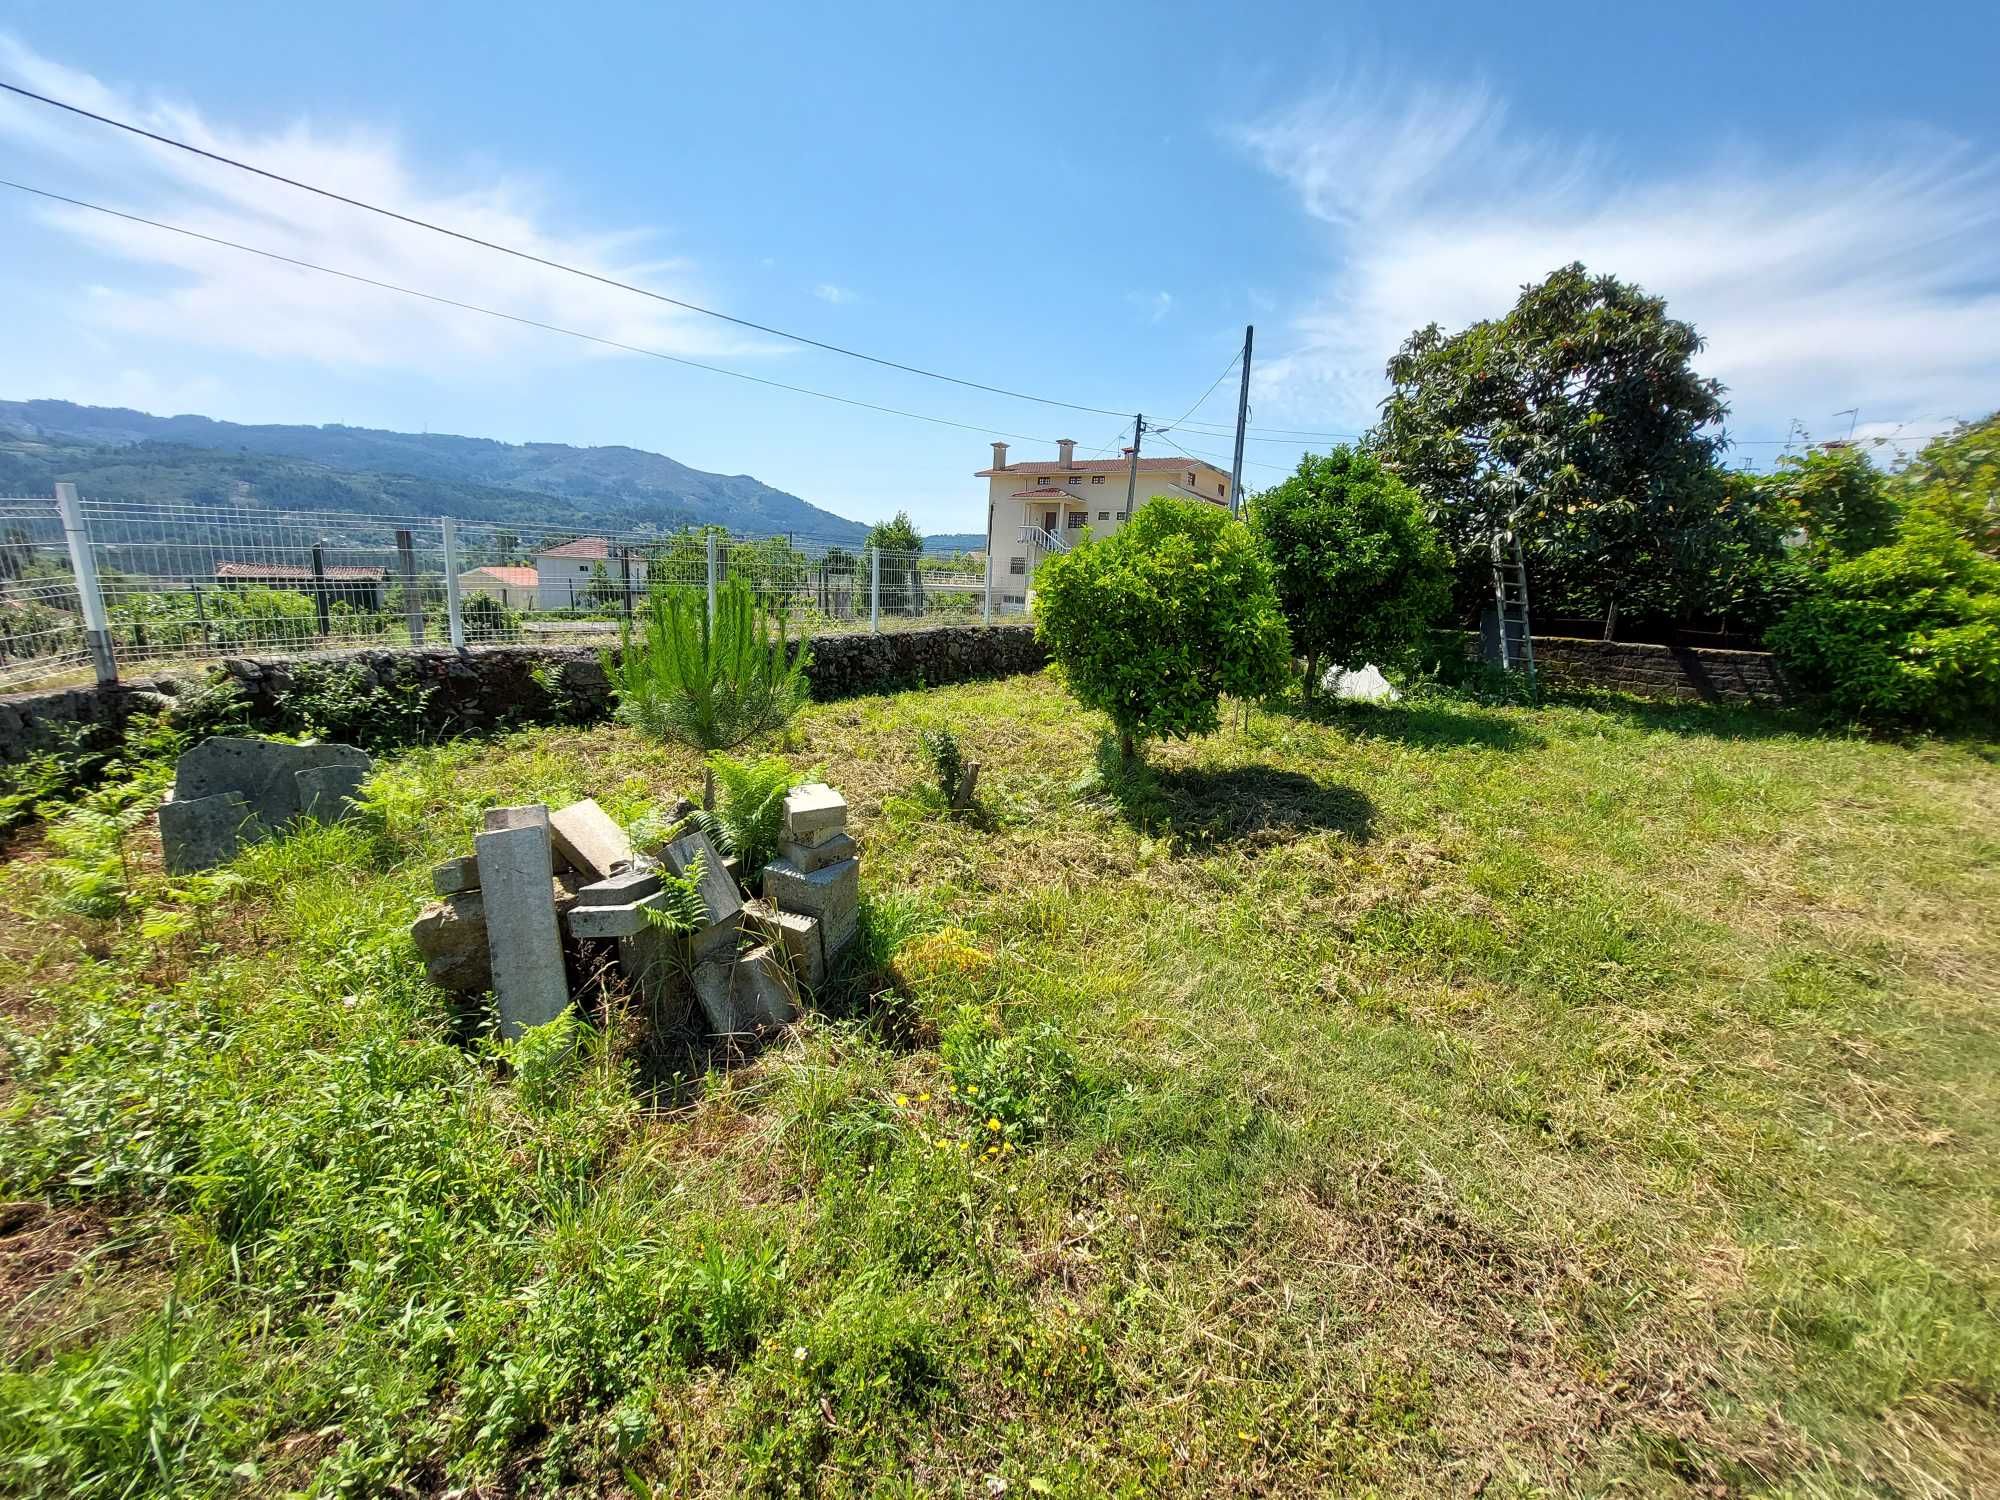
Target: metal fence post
x=986 y=607
x=711 y=582
x=875 y=588
x=319 y=589
x=413 y=602
x=83 y=563
x=453 y=619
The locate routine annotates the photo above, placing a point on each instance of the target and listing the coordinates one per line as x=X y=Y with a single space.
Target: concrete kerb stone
x=794 y=933
x=814 y=812
x=762 y=989
x=524 y=942
x=456 y=875
x=810 y=857
x=587 y=839
x=264 y=771
x=833 y=895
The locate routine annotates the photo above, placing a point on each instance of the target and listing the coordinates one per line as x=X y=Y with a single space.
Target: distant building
x=360 y=587
x=563 y=574
x=1039 y=507
x=515 y=588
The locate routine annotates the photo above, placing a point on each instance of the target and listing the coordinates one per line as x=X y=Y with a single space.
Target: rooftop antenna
x=1853 y=415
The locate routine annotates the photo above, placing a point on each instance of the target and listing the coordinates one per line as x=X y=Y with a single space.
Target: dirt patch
x=39 y=1247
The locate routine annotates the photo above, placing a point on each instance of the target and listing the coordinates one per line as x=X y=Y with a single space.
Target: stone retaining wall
x=1675 y=673
x=488 y=686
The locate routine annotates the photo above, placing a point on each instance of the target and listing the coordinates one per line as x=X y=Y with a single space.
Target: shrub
x=711 y=687
x=1908 y=633
x=1153 y=624
x=1360 y=573
x=752 y=814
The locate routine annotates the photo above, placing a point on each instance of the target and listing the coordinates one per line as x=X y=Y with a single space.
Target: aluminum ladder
x=1510 y=604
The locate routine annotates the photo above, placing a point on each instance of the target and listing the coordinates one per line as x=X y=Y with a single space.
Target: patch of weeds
x=347 y=704
x=1011 y=1088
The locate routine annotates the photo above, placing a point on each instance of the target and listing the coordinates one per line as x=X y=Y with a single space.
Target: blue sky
x=1087 y=202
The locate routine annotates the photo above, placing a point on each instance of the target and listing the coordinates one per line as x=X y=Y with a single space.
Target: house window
x=1190 y=474
x=1122 y=514
x=1097 y=479
x=1070 y=480
x=1040 y=480
x=1104 y=515
x=1017 y=566
x=1221 y=489
x=1077 y=518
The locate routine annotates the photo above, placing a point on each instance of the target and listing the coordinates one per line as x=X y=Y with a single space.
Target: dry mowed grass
x=1426 y=1099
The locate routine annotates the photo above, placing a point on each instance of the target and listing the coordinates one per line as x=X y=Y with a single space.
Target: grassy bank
x=1410 y=1100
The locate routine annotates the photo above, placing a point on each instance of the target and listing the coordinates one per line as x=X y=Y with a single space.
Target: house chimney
x=999 y=455
x=1066 y=447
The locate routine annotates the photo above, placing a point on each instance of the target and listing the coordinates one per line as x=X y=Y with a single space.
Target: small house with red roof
x=563 y=575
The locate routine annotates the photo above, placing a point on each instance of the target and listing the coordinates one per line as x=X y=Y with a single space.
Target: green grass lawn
x=1431 y=1099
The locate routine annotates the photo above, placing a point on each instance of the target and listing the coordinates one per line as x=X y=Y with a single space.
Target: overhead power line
x=525 y=322
x=1204 y=395
x=543 y=260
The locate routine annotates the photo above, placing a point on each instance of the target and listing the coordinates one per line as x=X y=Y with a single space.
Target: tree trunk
x=1128 y=749
x=707 y=787
x=1611 y=621
x=1312 y=673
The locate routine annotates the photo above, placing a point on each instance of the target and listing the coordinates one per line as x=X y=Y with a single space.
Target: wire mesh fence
x=185 y=583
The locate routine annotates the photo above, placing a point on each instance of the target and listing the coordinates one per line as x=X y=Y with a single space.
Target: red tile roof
x=583 y=547
x=513 y=578
x=1046 y=492
x=289 y=573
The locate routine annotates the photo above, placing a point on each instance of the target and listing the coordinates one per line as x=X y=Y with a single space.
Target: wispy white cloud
x=826 y=291
x=171 y=288
x=1863 y=277
x=1155 y=305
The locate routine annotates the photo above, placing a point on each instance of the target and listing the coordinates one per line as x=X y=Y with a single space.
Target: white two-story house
x=1043 y=506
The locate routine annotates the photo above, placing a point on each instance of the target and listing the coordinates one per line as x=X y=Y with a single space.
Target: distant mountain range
x=116 y=454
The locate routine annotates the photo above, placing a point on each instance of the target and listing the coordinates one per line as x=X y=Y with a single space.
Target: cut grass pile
x=1408 y=1100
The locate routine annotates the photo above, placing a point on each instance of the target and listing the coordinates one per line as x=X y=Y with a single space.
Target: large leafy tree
x=1153 y=624
x=901 y=545
x=1577 y=419
x=1957 y=478
x=1360 y=572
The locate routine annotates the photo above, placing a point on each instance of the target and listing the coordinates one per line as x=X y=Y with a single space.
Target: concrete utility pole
x=1242 y=416
x=1132 y=475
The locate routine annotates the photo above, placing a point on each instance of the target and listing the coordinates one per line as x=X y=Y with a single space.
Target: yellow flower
x=1247 y=1437
x=992 y=1123
x=902 y=1101
x=972 y=1088
x=923 y=1098
x=1006 y=1147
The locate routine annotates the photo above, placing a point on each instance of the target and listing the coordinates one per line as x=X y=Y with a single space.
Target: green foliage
x=347 y=704
x=1360 y=573
x=1838 y=498
x=1153 y=624
x=901 y=546
x=898 y=534
x=487 y=619
x=1957 y=478
x=1014 y=1086
x=1908 y=633
x=940 y=747
x=1577 y=418
x=708 y=688
x=751 y=808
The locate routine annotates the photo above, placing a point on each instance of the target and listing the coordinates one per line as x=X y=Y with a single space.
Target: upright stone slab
x=522 y=938
x=832 y=894
x=814 y=812
x=264 y=771
x=655 y=963
x=329 y=794
x=203 y=832
x=810 y=857
x=587 y=838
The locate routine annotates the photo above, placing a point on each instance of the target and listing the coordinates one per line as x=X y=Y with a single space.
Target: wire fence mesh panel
x=41 y=623
x=186 y=583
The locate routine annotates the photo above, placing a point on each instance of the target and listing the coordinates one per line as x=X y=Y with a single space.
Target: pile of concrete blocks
x=811 y=907
x=538 y=877
x=230 y=791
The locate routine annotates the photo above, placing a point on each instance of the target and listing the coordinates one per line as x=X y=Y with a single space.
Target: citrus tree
x=1155 y=623
x=1361 y=574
